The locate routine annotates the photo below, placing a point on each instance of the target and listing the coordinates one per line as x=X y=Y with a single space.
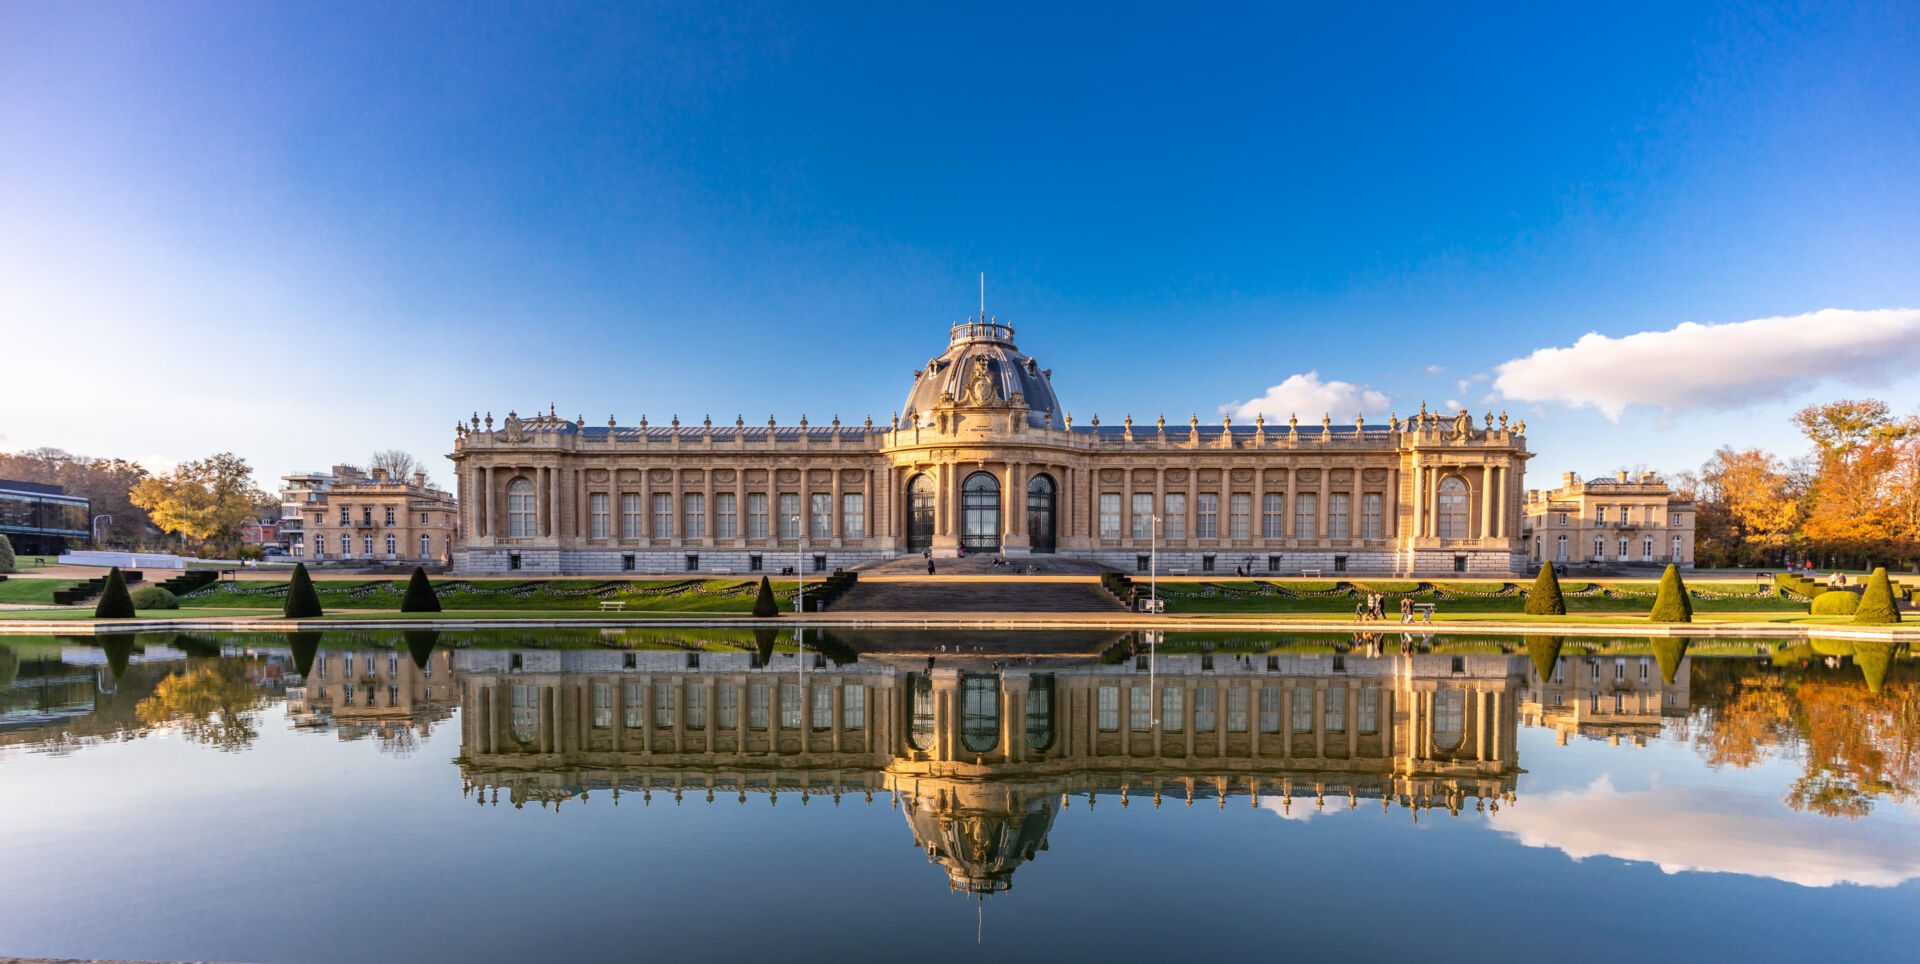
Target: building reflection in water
x=978 y=754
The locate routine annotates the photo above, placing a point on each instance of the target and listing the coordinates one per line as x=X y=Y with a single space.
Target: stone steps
x=935 y=596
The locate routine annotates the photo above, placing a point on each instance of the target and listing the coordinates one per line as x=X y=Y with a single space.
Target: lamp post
x=93 y=528
x=1153 y=563
x=800 y=578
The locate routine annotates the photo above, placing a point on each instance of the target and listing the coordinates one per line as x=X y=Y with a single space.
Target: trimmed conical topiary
x=1669 y=651
x=1873 y=657
x=1672 y=605
x=420 y=597
x=1545 y=651
x=302 y=601
x=115 y=602
x=763 y=646
x=764 y=605
x=1545 y=599
x=1877 y=606
x=305 y=647
x=420 y=643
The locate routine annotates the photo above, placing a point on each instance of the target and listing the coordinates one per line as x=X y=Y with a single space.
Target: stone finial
x=676 y=420
x=1096 y=420
x=1128 y=422
x=1423 y=408
x=610 y=422
x=1193 y=422
x=1521 y=429
x=896 y=421
x=707 y=422
x=1226 y=420
x=579 y=421
x=1259 y=421
x=1489 y=419
x=1394 y=422
x=1503 y=420
x=476 y=421
x=643 y=421
x=1069 y=418
x=1162 y=423
x=836 y=420
x=551 y=413
x=869 y=423
x=739 y=420
x=1359 y=421
x=489 y=421
x=769 y=421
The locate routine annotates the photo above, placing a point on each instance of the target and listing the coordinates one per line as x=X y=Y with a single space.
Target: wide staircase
x=976 y=596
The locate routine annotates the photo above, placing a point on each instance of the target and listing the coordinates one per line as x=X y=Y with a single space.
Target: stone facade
x=362 y=518
x=1621 y=521
x=984 y=459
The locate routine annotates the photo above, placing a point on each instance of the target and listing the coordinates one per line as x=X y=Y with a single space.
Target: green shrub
x=302 y=601
x=115 y=602
x=154 y=597
x=764 y=605
x=1877 y=607
x=420 y=597
x=1545 y=599
x=1839 y=603
x=6 y=555
x=1672 y=605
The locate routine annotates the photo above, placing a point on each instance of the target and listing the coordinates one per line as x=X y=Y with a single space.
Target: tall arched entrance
x=1040 y=519
x=920 y=513
x=980 y=513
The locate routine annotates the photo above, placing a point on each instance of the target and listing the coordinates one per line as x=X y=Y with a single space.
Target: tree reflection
x=212 y=704
x=1856 y=747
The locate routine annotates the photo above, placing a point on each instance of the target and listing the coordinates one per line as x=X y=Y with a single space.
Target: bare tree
x=399 y=465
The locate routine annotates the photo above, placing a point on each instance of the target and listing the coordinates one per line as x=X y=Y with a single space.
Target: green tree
x=1673 y=604
x=6 y=555
x=1545 y=599
x=115 y=602
x=302 y=601
x=1877 y=606
x=420 y=597
x=764 y=605
x=207 y=501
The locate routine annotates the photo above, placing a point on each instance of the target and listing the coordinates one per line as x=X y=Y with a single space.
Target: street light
x=93 y=528
x=1153 y=563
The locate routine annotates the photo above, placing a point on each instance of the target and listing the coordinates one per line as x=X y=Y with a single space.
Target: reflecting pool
x=708 y=793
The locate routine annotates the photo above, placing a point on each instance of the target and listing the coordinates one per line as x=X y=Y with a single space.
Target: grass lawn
x=28 y=590
x=511 y=595
x=1181 y=601
x=84 y=613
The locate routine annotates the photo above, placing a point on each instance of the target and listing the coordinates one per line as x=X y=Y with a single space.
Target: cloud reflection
x=1681 y=829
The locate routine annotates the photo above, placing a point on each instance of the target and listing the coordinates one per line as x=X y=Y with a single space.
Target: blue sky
x=303 y=232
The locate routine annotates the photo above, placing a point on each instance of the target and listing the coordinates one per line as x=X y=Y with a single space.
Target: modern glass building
x=42 y=519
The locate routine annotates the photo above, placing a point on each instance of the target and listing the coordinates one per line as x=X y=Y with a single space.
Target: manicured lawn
x=1237 y=597
x=511 y=595
x=82 y=613
x=27 y=590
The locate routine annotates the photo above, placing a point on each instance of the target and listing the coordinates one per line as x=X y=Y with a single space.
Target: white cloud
x=1722 y=832
x=1452 y=405
x=1436 y=369
x=1308 y=397
x=1732 y=364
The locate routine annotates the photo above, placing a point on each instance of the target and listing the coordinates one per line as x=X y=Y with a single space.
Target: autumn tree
x=207 y=501
x=107 y=484
x=212 y=704
x=1748 y=509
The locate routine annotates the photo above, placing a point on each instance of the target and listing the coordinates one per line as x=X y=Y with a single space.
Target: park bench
x=1178 y=572
x=1424 y=611
x=1309 y=573
x=613 y=605
x=721 y=572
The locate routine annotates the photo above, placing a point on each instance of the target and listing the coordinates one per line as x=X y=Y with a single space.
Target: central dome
x=981 y=366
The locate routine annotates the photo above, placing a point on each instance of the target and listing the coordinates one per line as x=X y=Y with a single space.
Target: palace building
x=983 y=458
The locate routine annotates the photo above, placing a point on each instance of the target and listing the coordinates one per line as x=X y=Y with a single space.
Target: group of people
x=1373 y=607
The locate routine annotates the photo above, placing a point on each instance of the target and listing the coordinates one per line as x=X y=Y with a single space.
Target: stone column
x=1486 y=502
x=1320 y=509
x=1390 y=505
x=739 y=506
x=1126 y=505
x=1193 y=504
x=646 y=504
x=835 y=513
x=1357 y=506
x=710 y=510
x=543 y=499
x=676 y=520
x=1418 y=491
x=483 y=523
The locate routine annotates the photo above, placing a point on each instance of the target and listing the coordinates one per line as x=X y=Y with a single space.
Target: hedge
x=154 y=597
x=302 y=601
x=115 y=602
x=1837 y=603
x=1672 y=605
x=1545 y=599
x=1877 y=607
x=764 y=605
x=420 y=597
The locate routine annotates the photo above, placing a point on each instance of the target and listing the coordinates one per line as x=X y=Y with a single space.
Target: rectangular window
x=602 y=705
x=1370 y=516
x=1369 y=711
x=756 y=563
x=1109 y=515
x=1237 y=710
x=1140 y=710
x=1173 y=709
x=1337 y=515
x=1600 y=514
x=1306 y=516
x=726 y=523
x=1643 y=669
x=1174 y=521
x=789 y=706
x=853 y=516
x=663 y=515
x=789 y=515
x=1303 y=709
x=1142 y=516
x=1269 y=709
x=823 y=707
x=1206 y=518
x=820 y=510
x=1239 y=515
x=389 y=515
x=346 y=545
x=1619 y=670
x=1204 y=709
x=757 y=515
x=853 y=707
x=636 y=706
x=693 y=562
x=597 y=510
x=727 y=710
x=390 y=545
x=1109 y=709
x=366 y=546
x=662 y=703
x=630 y=515
x=694 y=515
x=697 y=707
x=426 y=545
x=757 y=706
x=1336 y=714
x=1273 y=516
x=423 y=519
x=343 y=515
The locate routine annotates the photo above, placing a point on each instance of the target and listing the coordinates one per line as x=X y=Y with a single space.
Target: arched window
x=1453 y=508
x=1449 y=719
x=1040 y=711
x=980 y=512
x=520 y=509
x=979 y=712
x=1562 y=544
x=920 y=512
x=920 y=711
x=1040 y=519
